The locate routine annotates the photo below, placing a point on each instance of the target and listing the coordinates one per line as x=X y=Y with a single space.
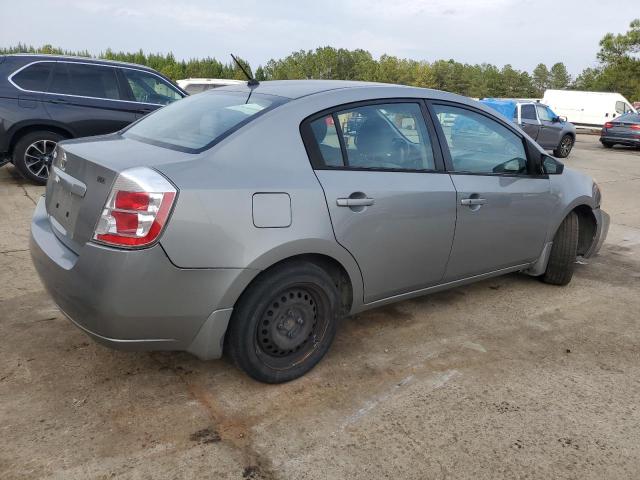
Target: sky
x=522 y=33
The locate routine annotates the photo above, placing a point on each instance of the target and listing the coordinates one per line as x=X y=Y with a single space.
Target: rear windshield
x=629 y=117
x=197 y=123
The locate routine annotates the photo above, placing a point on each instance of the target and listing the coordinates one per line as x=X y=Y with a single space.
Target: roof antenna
x=252 y=82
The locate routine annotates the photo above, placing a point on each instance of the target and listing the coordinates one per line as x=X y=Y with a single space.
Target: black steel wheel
x=284 y=323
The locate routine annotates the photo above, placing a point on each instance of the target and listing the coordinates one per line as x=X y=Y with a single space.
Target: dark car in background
x=624 y=130
x=48 y=98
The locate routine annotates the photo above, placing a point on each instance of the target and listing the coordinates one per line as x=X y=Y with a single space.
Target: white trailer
x=587 y=109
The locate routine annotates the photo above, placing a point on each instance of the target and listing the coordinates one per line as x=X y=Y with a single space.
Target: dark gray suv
x=47 y=98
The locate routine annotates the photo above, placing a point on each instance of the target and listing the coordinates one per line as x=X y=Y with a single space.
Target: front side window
x=35 y=77
x=389 y=136
x=148 y=88
x=196 y=123
x=620 y=107
x=544 y=114
x=528 y=112
x=84 y=80
x=478 y=144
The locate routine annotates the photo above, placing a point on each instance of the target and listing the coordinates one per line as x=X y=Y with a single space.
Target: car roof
x=294 y=89
x=32 y=57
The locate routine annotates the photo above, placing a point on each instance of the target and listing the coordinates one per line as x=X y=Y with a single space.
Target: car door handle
x=473 y=201
x=355 y=202
x=59 y=100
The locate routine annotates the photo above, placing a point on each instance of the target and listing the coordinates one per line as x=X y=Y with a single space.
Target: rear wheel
x=607 y=144
x=562 y=259
x=284 y=323
x=564 y=147
x=33 y=155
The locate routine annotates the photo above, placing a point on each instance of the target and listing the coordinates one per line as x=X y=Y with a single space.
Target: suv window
x=35 y=77
x=479 y=144
x=528 y=112
x=389 y=136
x=148 y=88
x=85 y=80
x=544 y=114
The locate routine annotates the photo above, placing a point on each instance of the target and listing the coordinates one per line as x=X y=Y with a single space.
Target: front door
x=502 y=209
x=391 y=205
x=550 y=132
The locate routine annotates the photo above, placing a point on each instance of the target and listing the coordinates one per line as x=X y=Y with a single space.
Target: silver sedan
x=251 y=218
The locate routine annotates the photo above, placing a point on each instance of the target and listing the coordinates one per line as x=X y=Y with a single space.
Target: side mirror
x=551 y=166
x=556 y=119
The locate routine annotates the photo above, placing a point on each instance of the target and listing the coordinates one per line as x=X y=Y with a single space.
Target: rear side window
x=84 y=80
x=196 y=123
x=389 y=136
x=478 y=144
x=35 y=77
x=326 y=136
x=528 y=112
x=148 y=88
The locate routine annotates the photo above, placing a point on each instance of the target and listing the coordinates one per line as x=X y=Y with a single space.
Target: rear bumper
x=620 y=140
x=136 y=300
x=602 y=228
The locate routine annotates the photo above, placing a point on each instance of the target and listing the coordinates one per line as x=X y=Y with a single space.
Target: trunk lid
x=83 y=173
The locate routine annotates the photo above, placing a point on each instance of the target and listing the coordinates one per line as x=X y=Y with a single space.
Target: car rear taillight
x=608 y=125
x=137 y=209
x=635 y=127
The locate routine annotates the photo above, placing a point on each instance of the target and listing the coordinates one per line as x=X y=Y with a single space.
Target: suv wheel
x=284 y=323
x=33 y=154
x=563 y=252
x=565 y=146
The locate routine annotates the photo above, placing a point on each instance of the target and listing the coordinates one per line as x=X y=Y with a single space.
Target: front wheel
x=284 y=323
x=564 y=147
x=564 y=250
x=607 y=144
x=33 y=155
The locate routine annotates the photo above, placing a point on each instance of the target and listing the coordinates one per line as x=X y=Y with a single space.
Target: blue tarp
x=508 y=107
x=505 y=107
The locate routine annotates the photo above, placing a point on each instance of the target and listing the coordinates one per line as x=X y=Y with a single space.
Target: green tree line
x=618 y=69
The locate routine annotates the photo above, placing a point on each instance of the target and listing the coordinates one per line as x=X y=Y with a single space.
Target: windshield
x=196 y=123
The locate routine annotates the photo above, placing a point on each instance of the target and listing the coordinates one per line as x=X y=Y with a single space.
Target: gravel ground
x=507 y=378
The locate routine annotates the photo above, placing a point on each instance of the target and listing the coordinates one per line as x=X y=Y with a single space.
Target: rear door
x=529 y=121
x=502 y=208
x=391 y=205
x=550 y=131
x=87 y=98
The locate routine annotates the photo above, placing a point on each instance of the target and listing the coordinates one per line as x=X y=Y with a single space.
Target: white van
x=587 y=109
x=197 y=85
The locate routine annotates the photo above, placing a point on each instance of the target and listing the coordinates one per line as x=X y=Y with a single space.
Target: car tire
x=564 y=147
x=564 y=250
x=32 y=154
x=607 y=144
x=284 y=323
